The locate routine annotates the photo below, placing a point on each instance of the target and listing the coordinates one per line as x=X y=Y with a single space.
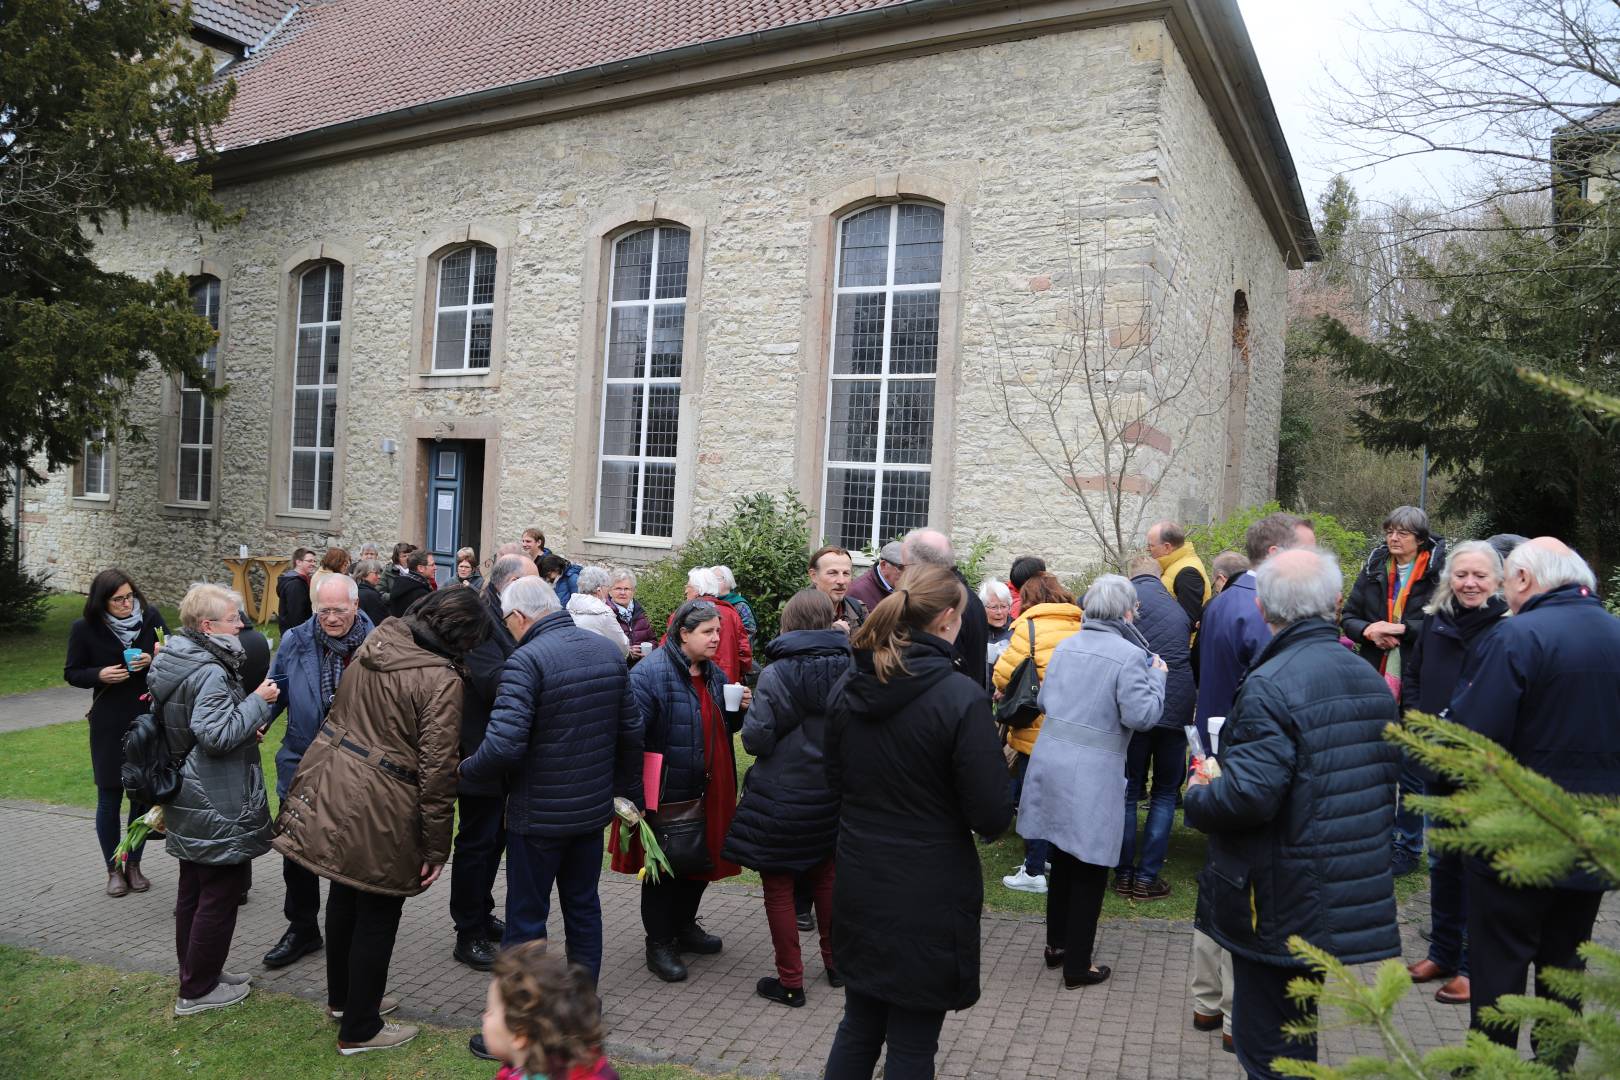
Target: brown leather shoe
x=1427 y=971
x=138 y=882
x=116 y=885
x=1455 y=992
x=1206 y=1021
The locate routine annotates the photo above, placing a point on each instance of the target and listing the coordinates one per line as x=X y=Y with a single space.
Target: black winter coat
x=1435 y=666
x=406 y=590
x=373 y=603
x=1299 y=819
x=1368 y=600
x=672 y=720
x=972 y=647
x=113 y=706
x=918 y=772
x=787 y=820
x=1162 y=620
x=293 y=606
x=565 y=726
x=484 y=664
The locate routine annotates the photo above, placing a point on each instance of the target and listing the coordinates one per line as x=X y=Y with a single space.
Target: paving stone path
x=40 y=708
x=1135 y=1025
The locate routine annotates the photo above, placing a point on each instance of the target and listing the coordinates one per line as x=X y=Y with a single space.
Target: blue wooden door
x=447 y=469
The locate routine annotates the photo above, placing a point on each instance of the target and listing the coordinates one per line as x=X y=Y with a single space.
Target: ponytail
x=924 y=591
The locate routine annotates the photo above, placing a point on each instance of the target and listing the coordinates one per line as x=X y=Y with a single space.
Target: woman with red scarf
x=1383 y=616
x=679 y=691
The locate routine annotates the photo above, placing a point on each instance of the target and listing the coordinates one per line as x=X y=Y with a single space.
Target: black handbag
x=680 y=830
x=1019 y=706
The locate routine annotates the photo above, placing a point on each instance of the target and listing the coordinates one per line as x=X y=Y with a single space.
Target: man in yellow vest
x=1180 y=568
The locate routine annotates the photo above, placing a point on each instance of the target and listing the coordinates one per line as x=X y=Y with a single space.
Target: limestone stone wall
x=1095 y=135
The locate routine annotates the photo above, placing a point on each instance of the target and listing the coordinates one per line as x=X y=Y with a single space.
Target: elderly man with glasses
x=307 y=668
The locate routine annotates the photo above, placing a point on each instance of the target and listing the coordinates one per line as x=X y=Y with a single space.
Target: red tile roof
x=246 y=22
x=341 y=60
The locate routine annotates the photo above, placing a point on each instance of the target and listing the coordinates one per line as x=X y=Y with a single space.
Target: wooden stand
x=262 y=608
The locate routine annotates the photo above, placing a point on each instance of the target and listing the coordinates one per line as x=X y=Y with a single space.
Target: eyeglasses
x=332 y=612
x=1392 y=532
x=122 y=598
x=233 y=619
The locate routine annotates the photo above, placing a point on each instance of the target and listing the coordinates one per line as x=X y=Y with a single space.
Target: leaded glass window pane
x=464 y=315
x=315 y=382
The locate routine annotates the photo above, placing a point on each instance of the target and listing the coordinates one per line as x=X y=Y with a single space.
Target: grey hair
x=1289 y=594
x=1550 y=567
x=531 y=597
x=366 y=567
x=991 y=589
x=689 y=616
x=593 y=579
x=371 y=546
x=507 y=569
x=728 y=580
x=1444 y=598
x=622 y=574
x=1110 y=597
x=1410 y=519
x=703 y=580
x=923 y=546
x=353 y=590
x=1230 y=564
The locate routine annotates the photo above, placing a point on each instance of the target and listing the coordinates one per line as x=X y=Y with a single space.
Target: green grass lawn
x=33 y=661
x=63 y=1020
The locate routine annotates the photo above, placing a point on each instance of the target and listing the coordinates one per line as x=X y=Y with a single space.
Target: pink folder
x=652 y=774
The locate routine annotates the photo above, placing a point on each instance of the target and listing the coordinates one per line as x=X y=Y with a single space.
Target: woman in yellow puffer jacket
x=1051 y=609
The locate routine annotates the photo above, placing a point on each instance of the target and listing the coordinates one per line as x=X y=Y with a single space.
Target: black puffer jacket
x=788 y=817
x=917 y=768
x=672 y=719
x=1434 y=666
x=566 y=722
x=293 y=607
x=1299 y=819
x=1368 y=600
x=1162 y=620
x=374 y=602
x=484 y=665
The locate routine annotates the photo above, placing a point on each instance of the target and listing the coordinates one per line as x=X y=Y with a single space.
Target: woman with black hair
x=372 y=803
x=679 y=690
x=109 y=650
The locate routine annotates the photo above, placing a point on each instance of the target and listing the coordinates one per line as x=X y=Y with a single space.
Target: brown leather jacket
x=375 y=794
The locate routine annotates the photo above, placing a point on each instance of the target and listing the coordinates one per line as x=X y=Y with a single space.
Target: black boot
x=664 y=962
x=479 y=1049
x=293 y=946
x=474 y=951
x=495 y=930
x=695 y=940
x=771 y=989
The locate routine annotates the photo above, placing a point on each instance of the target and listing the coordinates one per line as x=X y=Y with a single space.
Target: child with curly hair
x=543 y=1019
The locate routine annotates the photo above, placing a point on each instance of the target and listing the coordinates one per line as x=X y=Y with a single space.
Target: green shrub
x=22 y=594
x=1351 y=547
x=972 y=563
x=765 y=541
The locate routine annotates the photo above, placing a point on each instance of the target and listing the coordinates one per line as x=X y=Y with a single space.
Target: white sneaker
x=1025 y=882
x=220 y=996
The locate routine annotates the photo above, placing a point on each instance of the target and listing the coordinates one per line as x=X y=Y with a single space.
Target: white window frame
x=645 y=381
x=468 y=308
x=878 y=466
x=212 y=290
x=325 y=325
x=103 y=459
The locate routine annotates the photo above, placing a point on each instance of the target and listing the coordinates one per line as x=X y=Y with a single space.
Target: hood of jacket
x=179 y=658
x=586 y=604
x=808 y=643
x=928 y=661
x=393 y=647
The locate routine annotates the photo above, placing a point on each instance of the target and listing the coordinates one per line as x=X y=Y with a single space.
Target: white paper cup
x=1215 y=725
x=734 y=693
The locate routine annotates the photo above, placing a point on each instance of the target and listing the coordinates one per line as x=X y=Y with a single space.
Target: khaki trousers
x=1211 y=983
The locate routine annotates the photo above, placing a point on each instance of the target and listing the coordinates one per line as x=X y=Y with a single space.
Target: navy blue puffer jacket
x=1299 y=819
x=788 y=817
x=565 y=721
x=1162 y=620
x=672 y=720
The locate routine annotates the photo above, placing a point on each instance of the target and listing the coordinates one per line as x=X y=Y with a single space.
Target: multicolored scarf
x=332 y=656
x=1395 y=604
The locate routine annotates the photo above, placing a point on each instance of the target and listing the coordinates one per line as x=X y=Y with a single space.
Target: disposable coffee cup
x=645 y=648
x=130 y=656
x=1215 y=725
x=734 y=693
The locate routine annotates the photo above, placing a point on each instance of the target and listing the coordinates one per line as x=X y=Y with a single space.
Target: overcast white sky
x=1299 y=42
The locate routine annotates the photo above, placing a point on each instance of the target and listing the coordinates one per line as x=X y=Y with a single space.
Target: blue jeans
x=1035 y=851
x=574 y=864
x=1448 y=909
x=109 y=826
x=1408 y=834
x=1167 y=749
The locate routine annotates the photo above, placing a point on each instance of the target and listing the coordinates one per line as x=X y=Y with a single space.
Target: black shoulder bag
x=1019 y=706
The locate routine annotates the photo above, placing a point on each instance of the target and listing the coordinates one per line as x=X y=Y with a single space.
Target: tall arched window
x=194 y=472
x=885 y=357
x=641 y=387
x=315 y=387
x=464 y=315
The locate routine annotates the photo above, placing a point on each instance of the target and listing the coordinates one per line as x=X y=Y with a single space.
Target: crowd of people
x=505 y=712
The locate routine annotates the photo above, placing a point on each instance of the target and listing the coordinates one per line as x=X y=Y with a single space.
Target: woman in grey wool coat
x=1101 y=685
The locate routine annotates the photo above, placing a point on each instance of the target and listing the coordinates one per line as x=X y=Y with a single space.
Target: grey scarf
x=127 y=629
x=1119 y=628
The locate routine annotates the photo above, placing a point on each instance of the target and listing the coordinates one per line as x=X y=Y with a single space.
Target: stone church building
x=603 y=266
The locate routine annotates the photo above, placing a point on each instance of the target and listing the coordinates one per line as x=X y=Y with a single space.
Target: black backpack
x=150 y=773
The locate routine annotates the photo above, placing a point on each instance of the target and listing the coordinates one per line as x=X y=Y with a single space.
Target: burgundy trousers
x=784 y=921
x=204 y=921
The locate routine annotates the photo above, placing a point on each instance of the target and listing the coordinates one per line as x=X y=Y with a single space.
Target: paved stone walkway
x=39 y=708
x=1135 y=1025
